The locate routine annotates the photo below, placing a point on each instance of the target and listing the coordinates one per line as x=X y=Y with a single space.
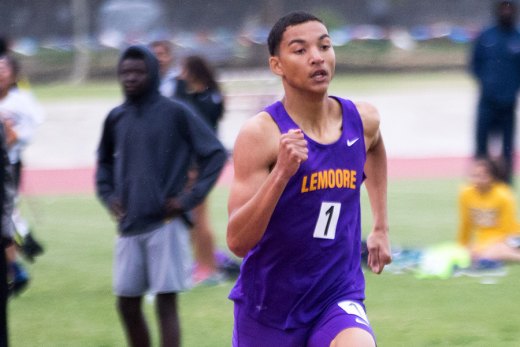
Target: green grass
x=346 y=83
x=65 y=91
x=343 y=84
x=69 y=302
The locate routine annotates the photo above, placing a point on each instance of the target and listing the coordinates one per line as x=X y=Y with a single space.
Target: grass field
x=69 y=302
x=342 y=84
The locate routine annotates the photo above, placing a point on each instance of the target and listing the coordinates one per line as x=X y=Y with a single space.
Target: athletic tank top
x=310 y=255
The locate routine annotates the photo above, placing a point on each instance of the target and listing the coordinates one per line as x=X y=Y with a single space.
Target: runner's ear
x=275 y=65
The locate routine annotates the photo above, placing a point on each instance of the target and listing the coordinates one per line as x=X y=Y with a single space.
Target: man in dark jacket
x=495 y=63
x=146 y=149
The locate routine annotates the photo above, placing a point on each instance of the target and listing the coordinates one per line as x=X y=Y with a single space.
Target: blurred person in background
x=488 y=226
x=146 y=148
x=198 y=87
x=21 y=114
x=4 y=45
x=163 y=51
x=201 y=90
x=7 y=193
x=495 y=63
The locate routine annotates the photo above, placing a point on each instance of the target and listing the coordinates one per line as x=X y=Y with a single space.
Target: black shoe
x=19 y=280
x=30 y=248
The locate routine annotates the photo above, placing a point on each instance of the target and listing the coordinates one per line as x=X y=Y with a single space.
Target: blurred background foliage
x=81 y=39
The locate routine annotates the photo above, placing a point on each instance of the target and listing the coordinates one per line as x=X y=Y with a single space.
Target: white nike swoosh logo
x=351 y=142
x=361 y=321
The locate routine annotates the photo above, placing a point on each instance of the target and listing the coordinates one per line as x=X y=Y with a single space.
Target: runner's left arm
x=378 y=242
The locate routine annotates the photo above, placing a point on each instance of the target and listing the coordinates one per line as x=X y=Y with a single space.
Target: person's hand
x=292 y=152
x=173 y=208
x=10 y=133
x=116 y=208
x=379 y=253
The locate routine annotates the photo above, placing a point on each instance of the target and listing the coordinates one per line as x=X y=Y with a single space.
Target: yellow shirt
x=486 y=218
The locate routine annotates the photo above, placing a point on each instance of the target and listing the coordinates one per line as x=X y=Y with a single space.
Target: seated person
x=487 y=209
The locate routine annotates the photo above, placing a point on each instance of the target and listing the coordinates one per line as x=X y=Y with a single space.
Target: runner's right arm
x=264 y=161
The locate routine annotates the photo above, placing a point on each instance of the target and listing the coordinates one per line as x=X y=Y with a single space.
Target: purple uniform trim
x=334 y=321
x=309 y=257
x=248 y=332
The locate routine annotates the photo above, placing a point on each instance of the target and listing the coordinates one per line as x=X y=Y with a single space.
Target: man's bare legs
x=169 y=326
x=203 y=243
x=135 y=325
x=500 y=251
x=133 y=320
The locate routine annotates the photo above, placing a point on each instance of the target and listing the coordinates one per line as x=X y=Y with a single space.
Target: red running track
x=81 y=180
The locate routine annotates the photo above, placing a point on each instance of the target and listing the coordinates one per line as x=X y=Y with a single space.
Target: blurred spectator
x=163 y=51
x=20 y=114
x=4 y=45
x=488 y=226
x=6 y=233
x=495 y=63
x=198 y=87
x=144 y=154
x=379 y=12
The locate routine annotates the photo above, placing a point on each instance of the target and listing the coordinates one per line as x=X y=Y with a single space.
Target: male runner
x=294 y=205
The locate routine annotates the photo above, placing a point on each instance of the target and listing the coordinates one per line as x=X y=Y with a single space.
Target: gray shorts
x=159 y=261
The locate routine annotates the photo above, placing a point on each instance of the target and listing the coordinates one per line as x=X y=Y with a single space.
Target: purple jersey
x=310 y=254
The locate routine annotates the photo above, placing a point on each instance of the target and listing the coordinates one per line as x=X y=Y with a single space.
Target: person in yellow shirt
x=487 y=210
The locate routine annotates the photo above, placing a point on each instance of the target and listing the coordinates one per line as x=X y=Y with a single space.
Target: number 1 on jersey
x=327 y=220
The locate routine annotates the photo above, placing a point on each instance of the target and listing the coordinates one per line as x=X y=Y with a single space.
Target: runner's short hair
x=276 y=33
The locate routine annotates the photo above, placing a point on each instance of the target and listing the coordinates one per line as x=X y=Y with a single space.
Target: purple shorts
x=248 y=332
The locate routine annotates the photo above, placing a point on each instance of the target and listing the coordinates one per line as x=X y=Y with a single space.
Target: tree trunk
x=81 y=64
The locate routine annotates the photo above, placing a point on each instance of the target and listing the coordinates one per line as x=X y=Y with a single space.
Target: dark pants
x=495 y=119
x=17 y=174
x=3 y=295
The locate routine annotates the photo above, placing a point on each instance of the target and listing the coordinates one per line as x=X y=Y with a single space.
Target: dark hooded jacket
x=146 y=149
